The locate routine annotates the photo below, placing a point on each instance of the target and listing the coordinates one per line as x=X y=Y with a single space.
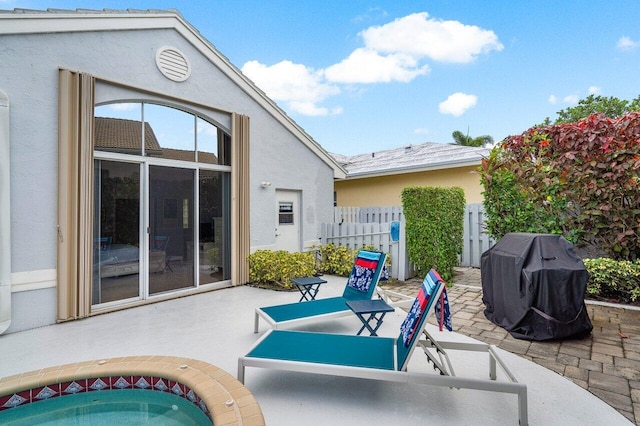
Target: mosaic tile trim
x=222 y=398
x=159 y=384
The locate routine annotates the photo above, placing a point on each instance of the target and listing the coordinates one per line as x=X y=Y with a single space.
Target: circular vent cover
x=173 y=64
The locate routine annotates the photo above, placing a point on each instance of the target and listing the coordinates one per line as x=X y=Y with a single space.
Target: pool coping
x=228 y=401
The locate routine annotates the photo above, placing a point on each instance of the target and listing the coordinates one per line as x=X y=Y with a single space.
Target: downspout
x=5 y=216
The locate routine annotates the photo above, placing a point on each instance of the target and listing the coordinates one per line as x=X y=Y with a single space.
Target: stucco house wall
x=30 y=61
x=386 y=190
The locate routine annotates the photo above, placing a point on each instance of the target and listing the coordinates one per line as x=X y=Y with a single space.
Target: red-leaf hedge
x=580 y=179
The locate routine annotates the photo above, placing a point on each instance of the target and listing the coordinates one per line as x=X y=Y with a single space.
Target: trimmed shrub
x=434 y=227
x=276 y=268
x=336 y=260
x=613 y=279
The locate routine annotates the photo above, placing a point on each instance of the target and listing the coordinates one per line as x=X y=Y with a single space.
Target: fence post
x=403 y=256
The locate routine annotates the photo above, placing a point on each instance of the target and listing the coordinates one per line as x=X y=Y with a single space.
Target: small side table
x=373 y=308
x=308 y=287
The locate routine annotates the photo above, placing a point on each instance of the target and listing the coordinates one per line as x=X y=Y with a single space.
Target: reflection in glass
x=118 y=128
x=214 y=242
x=171 y=230
x=116 y=231
x=175 y=237
x=173 y=131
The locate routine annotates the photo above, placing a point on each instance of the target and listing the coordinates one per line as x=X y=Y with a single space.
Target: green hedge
x=611 y=279
x=434 y=227
x=338 y=260
x=276 y=268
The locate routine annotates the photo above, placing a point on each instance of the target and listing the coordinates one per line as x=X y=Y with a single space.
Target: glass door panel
x=116 y=233
x=171 y=229
x=169 y=133
x=214 y=241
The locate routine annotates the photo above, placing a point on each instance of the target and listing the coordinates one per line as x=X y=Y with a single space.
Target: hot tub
x=221 y=397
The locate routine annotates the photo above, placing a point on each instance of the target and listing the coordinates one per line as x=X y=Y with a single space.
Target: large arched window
x=191 y=214
x=161 y=210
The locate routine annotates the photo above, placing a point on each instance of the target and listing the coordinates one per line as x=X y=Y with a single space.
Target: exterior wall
x=386 y=190
x=28 y=76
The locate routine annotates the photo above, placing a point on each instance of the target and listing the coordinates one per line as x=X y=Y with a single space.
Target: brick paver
x=607 y=362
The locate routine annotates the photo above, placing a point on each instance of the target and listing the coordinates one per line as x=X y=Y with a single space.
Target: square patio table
x=373 y=308
x=308 y=287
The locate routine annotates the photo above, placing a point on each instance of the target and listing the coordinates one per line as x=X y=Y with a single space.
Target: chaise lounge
x=381 y=358
x=361 y=285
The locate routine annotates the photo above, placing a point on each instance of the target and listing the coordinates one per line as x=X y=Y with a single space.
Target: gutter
x=5 y=216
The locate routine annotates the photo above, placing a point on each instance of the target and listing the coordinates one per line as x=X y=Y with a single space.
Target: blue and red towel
x=442 y=311
x=363 y=271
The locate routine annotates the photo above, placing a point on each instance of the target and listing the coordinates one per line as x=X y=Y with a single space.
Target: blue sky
x=362 y=76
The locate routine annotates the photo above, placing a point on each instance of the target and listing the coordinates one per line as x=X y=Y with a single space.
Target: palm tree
x=460 y=139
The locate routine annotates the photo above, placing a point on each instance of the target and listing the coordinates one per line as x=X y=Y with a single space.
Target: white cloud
x=124 y=106
x=368 y=66
x=421 y=131
x=204 y=128
x=391 y=52
x=553 y=99
x=423 y=37
x=571 y=99
x=299 y=87
x=371 y=14
x=625 y=43
x=594 y=90
x=457 y=104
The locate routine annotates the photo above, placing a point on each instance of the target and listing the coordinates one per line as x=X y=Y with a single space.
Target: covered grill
x=534 y=285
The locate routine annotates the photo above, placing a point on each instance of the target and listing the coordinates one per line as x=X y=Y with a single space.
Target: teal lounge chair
x=361 y=285
x=381 y=358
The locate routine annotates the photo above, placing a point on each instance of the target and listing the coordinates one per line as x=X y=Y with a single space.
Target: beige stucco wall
x=385 y=190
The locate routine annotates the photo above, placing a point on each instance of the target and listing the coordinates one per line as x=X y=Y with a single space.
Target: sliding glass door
x=171 y=229
x=161 y=202
x=116 y=232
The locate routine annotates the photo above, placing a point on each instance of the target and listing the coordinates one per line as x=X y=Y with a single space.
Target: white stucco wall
x=28 y=75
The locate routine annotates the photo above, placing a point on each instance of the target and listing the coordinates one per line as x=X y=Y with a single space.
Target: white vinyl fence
x=476 y=240
x=356 y=235
x=367 y=214
x=355 y=227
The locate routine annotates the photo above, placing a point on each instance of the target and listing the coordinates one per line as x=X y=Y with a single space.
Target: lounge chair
x=381 y=358
x=361 y=285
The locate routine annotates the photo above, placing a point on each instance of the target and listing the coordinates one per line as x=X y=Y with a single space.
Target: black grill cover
x=534 y=285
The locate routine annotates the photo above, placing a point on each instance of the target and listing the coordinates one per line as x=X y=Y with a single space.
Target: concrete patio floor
x=217 y=327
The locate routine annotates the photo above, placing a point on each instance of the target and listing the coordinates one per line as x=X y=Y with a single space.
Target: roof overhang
x=82 y=20
x=449 y=164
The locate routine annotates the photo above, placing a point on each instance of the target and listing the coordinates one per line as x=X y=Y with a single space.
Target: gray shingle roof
x=121 y=134
x=411 y=158
x=90 y=11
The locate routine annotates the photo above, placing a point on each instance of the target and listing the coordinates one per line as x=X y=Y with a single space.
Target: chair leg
x=241 y=371
x=256 y=322
x=522 y=407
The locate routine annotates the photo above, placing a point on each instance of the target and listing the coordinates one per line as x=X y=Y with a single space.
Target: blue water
x=115 y=407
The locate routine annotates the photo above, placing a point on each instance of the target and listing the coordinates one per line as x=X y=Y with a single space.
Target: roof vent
x=173 y=64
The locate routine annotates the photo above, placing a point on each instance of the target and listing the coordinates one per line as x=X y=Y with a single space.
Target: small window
x=285 y=214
